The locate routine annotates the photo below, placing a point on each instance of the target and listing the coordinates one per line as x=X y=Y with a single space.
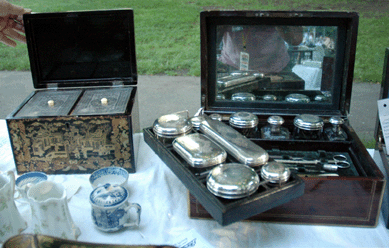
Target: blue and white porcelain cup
x=111 y=175
x=111 y=208
x=27 y=180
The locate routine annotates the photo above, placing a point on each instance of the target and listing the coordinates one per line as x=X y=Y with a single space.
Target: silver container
x=297 y=98
x=308 y=127
x=199 y=151
x=244 y=122
x=275 y=172
x=232 y=181
x=168 y=127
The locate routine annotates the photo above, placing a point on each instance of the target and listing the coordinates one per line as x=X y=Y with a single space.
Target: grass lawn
x=168 y=32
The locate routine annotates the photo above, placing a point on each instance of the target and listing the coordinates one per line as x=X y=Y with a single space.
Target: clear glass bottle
x=274 y=129
x=336 y=133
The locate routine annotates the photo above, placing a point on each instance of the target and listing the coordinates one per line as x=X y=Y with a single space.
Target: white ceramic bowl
x=111 y=175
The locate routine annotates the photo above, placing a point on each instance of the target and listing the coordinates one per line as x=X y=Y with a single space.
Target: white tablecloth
x=311 y=76
x=165 y=214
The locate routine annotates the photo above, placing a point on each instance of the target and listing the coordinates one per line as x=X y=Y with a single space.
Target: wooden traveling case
x=381 y=149
x=349 y=196
x=84 y=114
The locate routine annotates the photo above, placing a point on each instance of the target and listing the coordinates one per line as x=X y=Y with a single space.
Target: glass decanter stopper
x=274 y=130
x=336 y=133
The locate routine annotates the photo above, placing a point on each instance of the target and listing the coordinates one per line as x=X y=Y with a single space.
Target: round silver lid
x=297 y=98
x=269 y=98
x=232 y=181
x=243 y=120
x=216 y=117
x=336 y=120
x=275 y=172
x=172 y=125
x=308 y=122
x=108 y=195
x=196 y=121
x=243 y=96
x=275 y=120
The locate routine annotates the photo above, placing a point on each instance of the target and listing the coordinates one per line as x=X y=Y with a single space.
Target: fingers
x=4 y=39
x=7 y=8
x=11 y=33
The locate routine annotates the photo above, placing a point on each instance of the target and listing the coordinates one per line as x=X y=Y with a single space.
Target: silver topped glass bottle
x=274 y=129
x=308 y=127
x=336 y=133
x=244 y=122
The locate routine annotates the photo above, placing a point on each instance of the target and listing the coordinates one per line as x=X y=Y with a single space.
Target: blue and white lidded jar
x=111 y=208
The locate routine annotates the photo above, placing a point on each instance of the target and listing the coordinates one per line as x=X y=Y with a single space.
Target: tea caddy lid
x=108 y=195
x=243 y=120
x=93 y=48
x=308 y=122
x=233 y=181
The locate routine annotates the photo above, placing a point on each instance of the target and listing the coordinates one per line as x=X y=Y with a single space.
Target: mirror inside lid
x=272 y=55
x=87 y=48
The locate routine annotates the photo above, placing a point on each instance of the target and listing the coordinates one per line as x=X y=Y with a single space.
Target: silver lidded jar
x=168 y=127
x=275 y=172
x=274 y=129
x=232 y=181
x=244 y=122
x=335 y=133
x=308 y=127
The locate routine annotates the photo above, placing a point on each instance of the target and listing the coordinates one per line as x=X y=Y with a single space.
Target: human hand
x=11 y=23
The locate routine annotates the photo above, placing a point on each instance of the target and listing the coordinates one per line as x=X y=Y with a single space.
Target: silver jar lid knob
x=308 y=122
x=216 y=117
x=275 y=172
x=336 y=120
x=243 y=96
x=297 y=98
x=243 y=120
x=196 y=121
x=275 y=120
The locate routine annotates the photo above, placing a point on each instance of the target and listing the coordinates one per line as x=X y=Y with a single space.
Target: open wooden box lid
x=323 y=60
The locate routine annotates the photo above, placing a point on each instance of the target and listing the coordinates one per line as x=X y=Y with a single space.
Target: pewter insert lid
x=49 y=103
x=103 y=101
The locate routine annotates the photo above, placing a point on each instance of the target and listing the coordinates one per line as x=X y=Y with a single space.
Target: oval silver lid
x=108 y=195
x=297 y=98
x=243 y=96
x=232 y=181
x=275 y=172
x=199 y=151
x=172 y=125
x=243 y=120
x=308 y=122
x=275 y=120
